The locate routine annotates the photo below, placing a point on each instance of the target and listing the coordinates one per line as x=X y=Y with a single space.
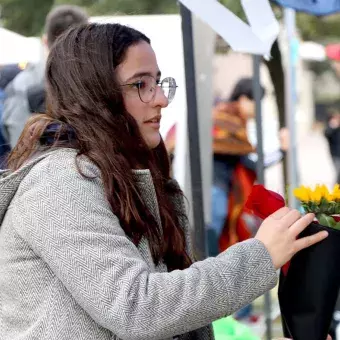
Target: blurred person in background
x=231 y=152
x=332 y=134
x=7 y=74
x=234 y=168
x=26 y=93
x=234 y=172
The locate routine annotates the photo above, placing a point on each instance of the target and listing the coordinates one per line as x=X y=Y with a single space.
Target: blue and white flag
x=315 y=7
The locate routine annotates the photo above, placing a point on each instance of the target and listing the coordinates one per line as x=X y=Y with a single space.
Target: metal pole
x=260 y=167
x=204 y=54
x=259 y=136
x=290 y=90
x=193 y=134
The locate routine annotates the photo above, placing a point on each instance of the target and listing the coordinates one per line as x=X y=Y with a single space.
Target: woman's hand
x=279 y=234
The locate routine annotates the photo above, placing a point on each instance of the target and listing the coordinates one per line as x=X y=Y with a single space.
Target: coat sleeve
x=67 y=221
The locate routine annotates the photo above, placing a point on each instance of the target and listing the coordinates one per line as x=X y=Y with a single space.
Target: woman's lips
x=154 y=124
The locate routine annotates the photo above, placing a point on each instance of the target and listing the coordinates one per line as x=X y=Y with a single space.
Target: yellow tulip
x=317 y=194
x=306 y=194
x=303 y=194
x=325 y=193
x=336 y=192
x=336 y=196
x=323 y=189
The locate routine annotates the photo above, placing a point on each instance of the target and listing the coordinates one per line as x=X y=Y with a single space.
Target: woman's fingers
x=305 y=242
x=308 y=241
x=279 y=234
x=277 y=215
x=291 y=217
x=287 y=216
x=301 y=224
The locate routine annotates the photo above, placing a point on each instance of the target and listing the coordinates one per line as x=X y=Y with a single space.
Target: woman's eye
x=139 y=85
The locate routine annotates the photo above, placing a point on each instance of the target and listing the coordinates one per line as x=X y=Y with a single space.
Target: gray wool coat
x=69 y=272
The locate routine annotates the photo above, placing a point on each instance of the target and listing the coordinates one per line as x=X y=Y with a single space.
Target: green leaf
x=337 y=226
x=324 y=205
x=306 y=207
x=326 y=221
x=332 y=208
x=314 y=207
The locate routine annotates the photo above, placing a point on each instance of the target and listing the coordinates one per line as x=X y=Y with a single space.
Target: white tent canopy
x=16 y=48
x=313 y=51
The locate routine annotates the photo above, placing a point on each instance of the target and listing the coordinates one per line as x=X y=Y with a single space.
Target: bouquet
x=309 y=284
x=325 y=204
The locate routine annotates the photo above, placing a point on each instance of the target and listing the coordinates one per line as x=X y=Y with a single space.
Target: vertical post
x=259 y=136
x=290 y=90
x=193 y=134
x=204 y=55
x=260 y=167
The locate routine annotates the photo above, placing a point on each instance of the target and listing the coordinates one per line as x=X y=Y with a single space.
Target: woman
x=94 y=238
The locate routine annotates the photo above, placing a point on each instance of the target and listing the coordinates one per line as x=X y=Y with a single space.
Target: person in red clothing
x=234 y=173
x=231 y=147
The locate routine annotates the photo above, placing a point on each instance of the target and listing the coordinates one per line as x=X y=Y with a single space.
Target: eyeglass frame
x=158 y=83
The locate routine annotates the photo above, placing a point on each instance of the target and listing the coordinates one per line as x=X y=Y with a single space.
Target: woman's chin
x=154 y=141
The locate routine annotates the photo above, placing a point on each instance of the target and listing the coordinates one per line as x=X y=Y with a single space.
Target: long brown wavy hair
x=84 y=95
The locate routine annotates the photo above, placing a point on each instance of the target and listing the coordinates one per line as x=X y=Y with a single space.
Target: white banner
x=257 y=37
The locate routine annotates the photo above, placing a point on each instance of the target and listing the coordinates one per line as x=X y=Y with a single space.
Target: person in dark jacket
x=7 y=74
x=36 y=96
x=4 y=147
x=20 y=93
x=332 y=134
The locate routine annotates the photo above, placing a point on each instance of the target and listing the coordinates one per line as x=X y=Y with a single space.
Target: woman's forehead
x=140 y=59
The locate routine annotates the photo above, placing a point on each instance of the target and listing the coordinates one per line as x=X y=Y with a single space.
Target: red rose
x=263 y=202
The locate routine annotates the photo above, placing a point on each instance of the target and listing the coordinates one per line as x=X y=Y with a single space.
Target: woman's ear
x=44 y=40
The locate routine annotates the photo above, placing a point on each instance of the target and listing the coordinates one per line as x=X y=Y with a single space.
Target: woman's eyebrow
x=141 y=74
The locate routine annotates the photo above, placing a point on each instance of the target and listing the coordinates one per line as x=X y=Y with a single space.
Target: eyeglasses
x=146 y=87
